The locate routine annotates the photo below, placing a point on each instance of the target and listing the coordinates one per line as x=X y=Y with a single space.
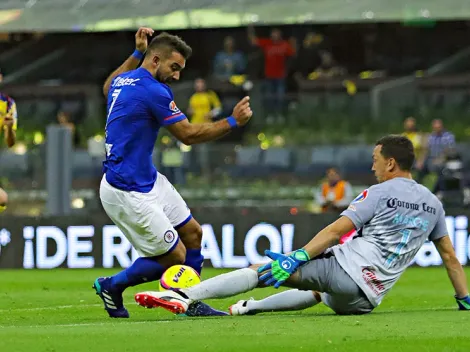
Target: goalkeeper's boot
x=241 y=308
x=112 y=300
x=172 y=300
x=201 y=309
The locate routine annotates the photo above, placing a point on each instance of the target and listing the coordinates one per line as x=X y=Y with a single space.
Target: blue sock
x=142 y=270
x=194 y=259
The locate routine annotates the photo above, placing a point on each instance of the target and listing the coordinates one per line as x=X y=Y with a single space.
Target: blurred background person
x=229 y=62
x=172 y=162
x=65 y=119
x=439 y=143
x=335 y=194
x=204 y=106
x=417 y=138
x=276 y=52
x=328 y=67
x=308 y=57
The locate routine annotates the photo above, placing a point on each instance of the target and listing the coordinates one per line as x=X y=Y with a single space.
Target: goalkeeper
x=394 y=219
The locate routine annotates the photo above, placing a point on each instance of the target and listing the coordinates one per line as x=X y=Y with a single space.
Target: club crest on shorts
x=361 y=197
x=169 y=236
x=173 y=107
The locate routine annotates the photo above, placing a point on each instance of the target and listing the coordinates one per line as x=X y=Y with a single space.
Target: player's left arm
x=454 y=269
x=132 y=62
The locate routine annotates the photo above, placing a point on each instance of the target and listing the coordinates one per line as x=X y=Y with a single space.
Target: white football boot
x=241 y=308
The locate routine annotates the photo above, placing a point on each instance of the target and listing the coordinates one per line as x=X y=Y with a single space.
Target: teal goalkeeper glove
x=463 y=303
x=282 y=266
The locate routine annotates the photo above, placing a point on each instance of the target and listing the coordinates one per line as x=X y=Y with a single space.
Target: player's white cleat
x=240 y=308
x=172 y=301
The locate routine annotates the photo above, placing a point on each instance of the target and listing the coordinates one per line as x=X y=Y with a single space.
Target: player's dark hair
x=399 y=148
x=168 y=42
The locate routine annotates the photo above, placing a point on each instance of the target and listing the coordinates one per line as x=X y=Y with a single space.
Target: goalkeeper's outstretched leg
x=324 y=274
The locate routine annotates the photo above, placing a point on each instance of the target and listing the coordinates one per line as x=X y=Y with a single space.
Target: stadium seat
x=278 y=158
x=13 y=165
x=83 y=165
x=247 y=163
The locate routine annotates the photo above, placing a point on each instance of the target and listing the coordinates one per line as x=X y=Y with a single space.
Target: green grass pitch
x=58 y=311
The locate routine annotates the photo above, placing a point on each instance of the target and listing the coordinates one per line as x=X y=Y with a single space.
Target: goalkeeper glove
x=282 y=266
x=463 y=303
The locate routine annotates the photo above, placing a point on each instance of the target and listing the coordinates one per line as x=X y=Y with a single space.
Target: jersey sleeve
x=363 y=207
x=440 y=229
x=164 y=108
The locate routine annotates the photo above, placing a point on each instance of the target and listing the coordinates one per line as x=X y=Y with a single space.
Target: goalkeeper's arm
x=453 y=266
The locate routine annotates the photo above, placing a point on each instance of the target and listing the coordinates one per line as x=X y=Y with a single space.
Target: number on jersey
x=115 y=95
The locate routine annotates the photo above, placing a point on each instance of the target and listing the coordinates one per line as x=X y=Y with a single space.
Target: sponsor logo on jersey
x=429 y=209
x=361 y=197
x=120 y=82
x=169 y=236
x=372 y=281
x=173 y=107
x=395 y=203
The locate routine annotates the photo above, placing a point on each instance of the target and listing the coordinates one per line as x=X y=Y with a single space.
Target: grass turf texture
x=58 y=311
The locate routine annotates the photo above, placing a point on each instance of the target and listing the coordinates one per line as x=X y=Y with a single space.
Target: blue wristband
x=137 y=54
x=232 y=122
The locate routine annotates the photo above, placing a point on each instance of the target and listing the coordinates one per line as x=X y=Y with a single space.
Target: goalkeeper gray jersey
x=394 y=219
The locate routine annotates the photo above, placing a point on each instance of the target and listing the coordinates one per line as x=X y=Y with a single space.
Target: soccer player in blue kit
x=139 y=200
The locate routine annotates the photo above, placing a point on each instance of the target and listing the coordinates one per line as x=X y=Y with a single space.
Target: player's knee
x=178 y=255
x=3 y=198
x=193 y=238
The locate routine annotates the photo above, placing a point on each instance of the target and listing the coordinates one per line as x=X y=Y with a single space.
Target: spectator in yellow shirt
x=416 y=138
x=8 y=124
x=204 y=104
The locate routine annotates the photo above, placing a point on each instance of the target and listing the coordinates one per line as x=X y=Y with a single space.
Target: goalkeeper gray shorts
x=338 y=291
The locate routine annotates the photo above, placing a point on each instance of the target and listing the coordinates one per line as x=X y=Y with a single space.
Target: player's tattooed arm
x=189 y=133
x=329 y=236
x=454 y=268
x=132 y=62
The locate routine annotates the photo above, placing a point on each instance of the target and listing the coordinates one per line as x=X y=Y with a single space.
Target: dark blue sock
x=194 y=259
x=142 y=270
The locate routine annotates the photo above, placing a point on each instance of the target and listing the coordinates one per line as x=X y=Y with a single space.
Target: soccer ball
x=179 y=276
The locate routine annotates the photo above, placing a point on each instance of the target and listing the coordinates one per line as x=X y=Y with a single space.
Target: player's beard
x=162 y=79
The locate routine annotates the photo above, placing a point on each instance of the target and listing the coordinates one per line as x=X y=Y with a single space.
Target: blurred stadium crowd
x=321 y=94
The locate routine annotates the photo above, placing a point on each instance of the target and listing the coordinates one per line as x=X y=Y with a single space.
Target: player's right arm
x=189 y=133
x=132 y=61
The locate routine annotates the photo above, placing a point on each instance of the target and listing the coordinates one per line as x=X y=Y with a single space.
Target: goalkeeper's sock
x=194 y=259
x=287 y=300
x=224 y=285
x=142 y=270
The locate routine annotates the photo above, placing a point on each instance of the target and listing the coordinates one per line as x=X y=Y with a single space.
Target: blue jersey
x=138 y=105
